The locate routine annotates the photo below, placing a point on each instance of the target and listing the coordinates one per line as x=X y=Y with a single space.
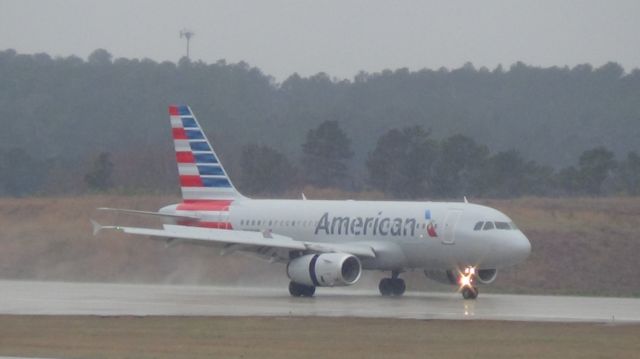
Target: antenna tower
x=187 y=34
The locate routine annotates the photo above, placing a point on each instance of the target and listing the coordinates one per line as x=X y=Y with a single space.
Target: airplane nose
x=522 y=246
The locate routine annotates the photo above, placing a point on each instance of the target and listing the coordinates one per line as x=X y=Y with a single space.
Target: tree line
x=405 y=163
x=58 y=115
x=408 y=163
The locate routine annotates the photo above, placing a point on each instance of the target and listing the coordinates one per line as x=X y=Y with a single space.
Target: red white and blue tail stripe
x=202 y=177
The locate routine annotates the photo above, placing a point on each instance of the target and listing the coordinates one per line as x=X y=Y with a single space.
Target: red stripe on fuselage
x=185 y=157
x=173 y=111
x=219 y=225
x=204 y=205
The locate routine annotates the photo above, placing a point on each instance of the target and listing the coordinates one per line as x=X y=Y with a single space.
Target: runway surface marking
x=61 y=298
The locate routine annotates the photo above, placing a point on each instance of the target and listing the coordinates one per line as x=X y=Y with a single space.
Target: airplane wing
x=212 y=236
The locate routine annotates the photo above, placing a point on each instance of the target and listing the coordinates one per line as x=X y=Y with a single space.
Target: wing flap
x=213 y=235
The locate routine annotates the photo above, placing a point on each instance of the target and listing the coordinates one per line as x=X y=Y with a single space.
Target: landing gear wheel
x=385 y=287
x=309 y=291
x=469 y=292
x=294 y=289
x=301 y=290
x=398 y=287
x=392 y=286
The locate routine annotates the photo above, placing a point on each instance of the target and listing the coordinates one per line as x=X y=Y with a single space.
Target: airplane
x=328 y=243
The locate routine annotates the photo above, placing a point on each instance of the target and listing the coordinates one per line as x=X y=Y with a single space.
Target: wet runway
x=56 y=298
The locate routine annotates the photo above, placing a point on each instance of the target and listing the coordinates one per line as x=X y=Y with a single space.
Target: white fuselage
x=404 y=235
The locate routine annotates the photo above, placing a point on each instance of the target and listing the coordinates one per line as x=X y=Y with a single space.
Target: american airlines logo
x=356 y=226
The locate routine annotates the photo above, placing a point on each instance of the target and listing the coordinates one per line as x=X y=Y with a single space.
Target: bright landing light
x=466 y=277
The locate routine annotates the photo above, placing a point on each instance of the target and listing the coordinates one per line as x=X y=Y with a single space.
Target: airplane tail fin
x=202 y=177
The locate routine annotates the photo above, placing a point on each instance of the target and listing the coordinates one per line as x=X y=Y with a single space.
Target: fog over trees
x=442 y=133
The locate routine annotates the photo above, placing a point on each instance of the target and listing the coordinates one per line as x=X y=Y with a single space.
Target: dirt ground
x=264 y=338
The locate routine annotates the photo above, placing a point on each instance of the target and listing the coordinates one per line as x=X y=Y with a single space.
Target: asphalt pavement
x=62 y=298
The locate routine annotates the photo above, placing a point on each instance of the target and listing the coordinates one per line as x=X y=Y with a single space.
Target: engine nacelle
x=325 y=270
x=486 y=276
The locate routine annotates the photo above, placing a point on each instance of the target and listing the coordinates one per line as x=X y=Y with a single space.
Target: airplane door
x=450 y=222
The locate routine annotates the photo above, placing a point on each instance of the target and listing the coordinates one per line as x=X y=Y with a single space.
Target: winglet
x=96 y=227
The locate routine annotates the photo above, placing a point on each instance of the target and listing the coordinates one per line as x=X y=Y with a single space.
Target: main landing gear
x=393 y=286
x=301 y=290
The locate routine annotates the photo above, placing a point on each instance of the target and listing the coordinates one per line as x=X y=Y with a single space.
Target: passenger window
x=488 y=226
x=503 y=225
x=478 y=226
x=242 y=222
x=259 y=222
x=270 y=222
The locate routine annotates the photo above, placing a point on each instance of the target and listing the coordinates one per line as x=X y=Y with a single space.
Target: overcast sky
x=339 y=37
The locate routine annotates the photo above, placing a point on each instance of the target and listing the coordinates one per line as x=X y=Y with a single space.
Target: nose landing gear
x=469 y=292
x=393 y=286
x=465 y=280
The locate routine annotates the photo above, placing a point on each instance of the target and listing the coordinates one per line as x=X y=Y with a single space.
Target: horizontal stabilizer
x=148 y=213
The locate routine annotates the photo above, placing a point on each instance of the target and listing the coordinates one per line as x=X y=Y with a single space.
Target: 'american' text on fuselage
x=384 y=226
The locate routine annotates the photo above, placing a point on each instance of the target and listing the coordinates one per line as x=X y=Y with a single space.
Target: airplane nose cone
x=522 y=246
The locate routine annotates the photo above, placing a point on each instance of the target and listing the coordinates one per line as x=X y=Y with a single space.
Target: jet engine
x=325 y=270
x=486 y=276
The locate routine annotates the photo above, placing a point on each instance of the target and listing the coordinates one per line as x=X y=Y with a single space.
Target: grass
x=585 y=246
x=224 y=337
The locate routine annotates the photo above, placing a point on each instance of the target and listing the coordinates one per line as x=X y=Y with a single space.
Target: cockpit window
x=488 y=226
x=503 y=225
x=478 y=226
